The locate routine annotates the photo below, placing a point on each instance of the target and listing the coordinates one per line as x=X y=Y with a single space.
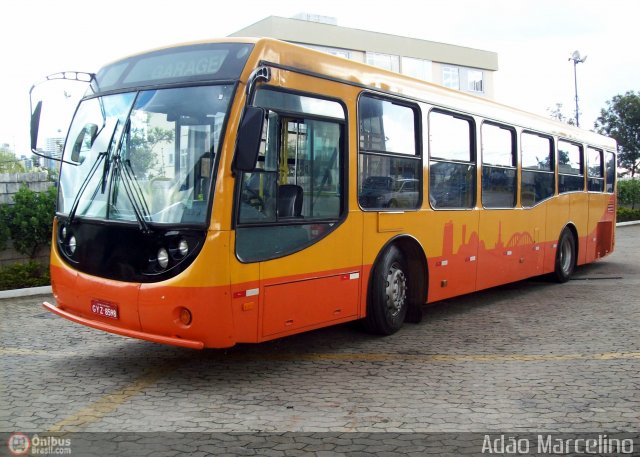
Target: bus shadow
x=598 y=270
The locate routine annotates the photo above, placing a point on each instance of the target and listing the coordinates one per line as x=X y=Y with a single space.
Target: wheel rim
x=396 y=290
x=566 y=256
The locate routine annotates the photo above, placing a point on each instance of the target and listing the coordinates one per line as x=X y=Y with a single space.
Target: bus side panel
x=538 y=220
x=314 y=287
x=608 y=242
x=510 y=245
x=293 y=306
x=245 y=296
x=601 y=222
x=579 y=215
x=452 y=253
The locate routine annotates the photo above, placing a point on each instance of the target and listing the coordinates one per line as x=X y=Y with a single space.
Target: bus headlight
x=183 y=247
x=73 y=244
x=163 y=258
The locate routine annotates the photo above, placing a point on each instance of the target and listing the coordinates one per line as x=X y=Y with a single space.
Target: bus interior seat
x=289 y=200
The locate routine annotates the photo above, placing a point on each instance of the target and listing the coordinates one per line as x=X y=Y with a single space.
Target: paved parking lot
x=530 y=356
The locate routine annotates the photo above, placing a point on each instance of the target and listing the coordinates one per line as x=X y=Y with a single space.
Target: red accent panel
x=123 y=331
x=293 y=306
x=76 y=291
x=604 y=237
x=159 y=307
x=245 y=321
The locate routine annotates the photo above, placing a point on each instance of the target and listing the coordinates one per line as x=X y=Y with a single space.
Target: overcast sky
x=533 y=39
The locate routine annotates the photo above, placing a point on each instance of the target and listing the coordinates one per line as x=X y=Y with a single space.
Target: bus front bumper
x=191 y=344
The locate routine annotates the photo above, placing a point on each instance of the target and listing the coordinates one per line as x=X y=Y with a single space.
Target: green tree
x=141 y=148
x=621 y=121
x=629 y=192
x=52 y=175
x=558 y=114
x=29 y=220
x=9 y=163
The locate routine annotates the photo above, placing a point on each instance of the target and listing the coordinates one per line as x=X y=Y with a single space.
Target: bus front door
x=293 y=224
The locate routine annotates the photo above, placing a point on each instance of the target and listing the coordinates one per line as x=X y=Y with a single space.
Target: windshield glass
x=157 y=160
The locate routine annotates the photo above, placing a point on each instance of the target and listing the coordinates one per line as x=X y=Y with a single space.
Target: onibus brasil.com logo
x=21 y=444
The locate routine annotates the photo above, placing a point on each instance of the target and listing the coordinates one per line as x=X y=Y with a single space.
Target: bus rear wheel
x=565 y=257
x=387 y=302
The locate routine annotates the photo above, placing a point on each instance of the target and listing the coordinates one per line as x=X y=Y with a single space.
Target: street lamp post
x=576 y=60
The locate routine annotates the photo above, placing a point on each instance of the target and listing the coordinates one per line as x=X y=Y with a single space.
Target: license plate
x=104 y=309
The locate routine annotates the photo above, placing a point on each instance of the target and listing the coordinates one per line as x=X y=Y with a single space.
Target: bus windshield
x=144 y=155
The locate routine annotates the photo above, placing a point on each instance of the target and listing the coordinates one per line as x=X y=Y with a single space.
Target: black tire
x=565 y=257
x=388 y=298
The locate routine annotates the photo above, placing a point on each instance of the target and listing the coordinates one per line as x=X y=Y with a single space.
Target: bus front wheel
x=388 y=293
x=565 y=257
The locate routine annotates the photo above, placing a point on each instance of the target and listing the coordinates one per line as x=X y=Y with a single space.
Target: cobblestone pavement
x=529 y=356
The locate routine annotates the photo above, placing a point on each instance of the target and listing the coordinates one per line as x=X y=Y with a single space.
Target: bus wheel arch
x=574 y=230
x=399 y=273
x=566 y=254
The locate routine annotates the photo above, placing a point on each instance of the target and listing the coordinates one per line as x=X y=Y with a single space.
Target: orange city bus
x=241 y=190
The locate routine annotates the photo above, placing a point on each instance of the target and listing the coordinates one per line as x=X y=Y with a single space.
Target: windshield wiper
x=92 y=171
x=122 y=171
x=138 y=190
x=83 y=187
x=133 y=191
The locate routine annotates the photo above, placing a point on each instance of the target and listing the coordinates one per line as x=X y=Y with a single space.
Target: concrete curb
x=624 y=224
x=27 y=292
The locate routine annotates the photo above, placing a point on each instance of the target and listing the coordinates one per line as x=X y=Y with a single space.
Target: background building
x=53 y=148
x=456 y=67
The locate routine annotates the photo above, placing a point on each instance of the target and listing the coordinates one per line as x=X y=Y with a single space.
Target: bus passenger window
x=538 y=181
x=595 y=170
x=570 y=167
x=611 y=172
x=390 y=167
x=499 y=184
x=452 y=168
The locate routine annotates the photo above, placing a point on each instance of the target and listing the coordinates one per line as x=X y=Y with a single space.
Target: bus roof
x=295 y=57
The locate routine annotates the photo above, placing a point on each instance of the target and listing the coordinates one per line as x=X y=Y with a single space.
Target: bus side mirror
x=35 y=125
x=249 y=139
